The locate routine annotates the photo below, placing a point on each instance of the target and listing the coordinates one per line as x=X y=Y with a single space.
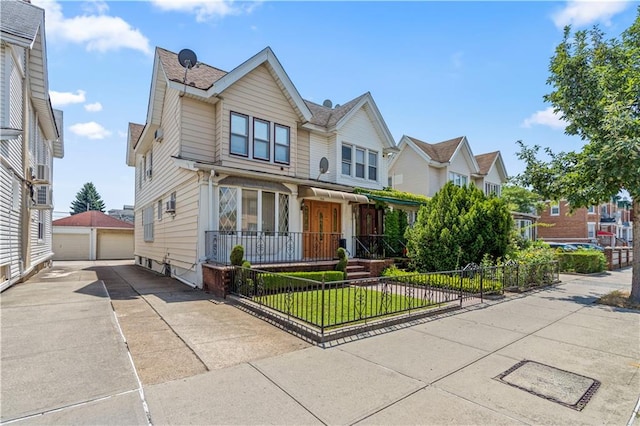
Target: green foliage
x=458 y=226
x=237 y=254
x=87 y=199
x=582 y=261
x=521 y=199
x=246 y=264
x=538 y=252
x=395 y=226
x=595 y=89
x=393 y=193
x=288 y=281
x=343 y=261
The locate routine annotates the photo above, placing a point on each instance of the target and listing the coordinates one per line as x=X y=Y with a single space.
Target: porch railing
x=378 y=247
x=272 y=247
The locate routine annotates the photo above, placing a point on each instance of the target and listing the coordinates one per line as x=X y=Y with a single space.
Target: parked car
x=590 y=246
x=563 y=246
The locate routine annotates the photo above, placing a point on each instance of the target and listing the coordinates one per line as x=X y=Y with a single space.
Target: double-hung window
x=147 y=223
x=360 y=163
x=346 y=160
x=555 y=209
x=373 y=165
x=282 y=144
x=261 y=140
x=239 y=134
x=457 y=179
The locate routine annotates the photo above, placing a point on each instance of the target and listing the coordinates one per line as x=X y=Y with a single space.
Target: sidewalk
x=201 y=361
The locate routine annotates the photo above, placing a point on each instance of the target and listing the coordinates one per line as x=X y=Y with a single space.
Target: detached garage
x=92 y=235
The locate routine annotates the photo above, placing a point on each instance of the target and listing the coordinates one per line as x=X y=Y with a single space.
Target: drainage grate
x=560 y=386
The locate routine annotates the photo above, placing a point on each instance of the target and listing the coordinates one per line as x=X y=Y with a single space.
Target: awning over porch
x=604 y=234
x=248 y=182
x=397 y=201
x=310 y=191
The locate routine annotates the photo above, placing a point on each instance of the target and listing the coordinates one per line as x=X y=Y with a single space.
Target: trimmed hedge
x=285 y=281
x=582 y=261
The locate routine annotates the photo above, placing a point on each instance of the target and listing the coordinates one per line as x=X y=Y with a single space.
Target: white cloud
x=206 y=9
x=95 y=6
x=580 y=13
x=97 y=32
x=545 y=118
x=59 y=99
x=91 y=130
x=94 y=107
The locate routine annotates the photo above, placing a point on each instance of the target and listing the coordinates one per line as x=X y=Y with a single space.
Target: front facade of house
x=240 y=158
x=424 y=168
x=30 y=138
x=609 y=224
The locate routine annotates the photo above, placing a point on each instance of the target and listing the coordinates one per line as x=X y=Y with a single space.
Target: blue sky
x=437 y=70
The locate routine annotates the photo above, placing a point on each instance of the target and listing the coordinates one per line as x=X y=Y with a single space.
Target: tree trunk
x=635 y=277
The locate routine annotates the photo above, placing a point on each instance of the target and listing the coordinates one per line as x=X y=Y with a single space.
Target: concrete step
x=358 y=275
x=355 y=268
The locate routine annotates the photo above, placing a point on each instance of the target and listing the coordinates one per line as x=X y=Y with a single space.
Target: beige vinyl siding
x=412 y=173
x=320 y=148
x=360 y=131
x=175 y=237
x=303 y=162
x=10 y=222
x=198 y=130
x=36 y=68
x=11 y=149
x=258 y=95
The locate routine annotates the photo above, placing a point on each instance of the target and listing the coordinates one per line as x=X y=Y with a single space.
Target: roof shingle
x=440 y=152
x=20 y=19
x=92 y=219
x=485 y=161
x=201 y=76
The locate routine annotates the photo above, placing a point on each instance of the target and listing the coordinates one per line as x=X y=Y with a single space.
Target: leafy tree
x=596 y=85
x=395 y=225
x=520 y=199
x=457 y=226
x=87 y=199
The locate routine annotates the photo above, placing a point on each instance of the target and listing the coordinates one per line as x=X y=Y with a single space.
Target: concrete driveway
x=110 y=343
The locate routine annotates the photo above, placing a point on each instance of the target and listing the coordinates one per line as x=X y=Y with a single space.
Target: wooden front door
x=369 y=229
x=321 y=226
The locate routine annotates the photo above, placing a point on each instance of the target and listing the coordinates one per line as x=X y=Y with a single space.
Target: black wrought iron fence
x=378 y=247
x=325 y=305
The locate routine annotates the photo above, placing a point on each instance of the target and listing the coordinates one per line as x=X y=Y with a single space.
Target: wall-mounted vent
x=158 y=135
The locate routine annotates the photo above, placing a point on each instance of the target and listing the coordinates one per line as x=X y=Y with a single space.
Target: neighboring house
x=240 y=157
x=526 y=225
x=30 y=138
x=92 y=235
x=126 y=213
x=424 y=168
x=609 y=224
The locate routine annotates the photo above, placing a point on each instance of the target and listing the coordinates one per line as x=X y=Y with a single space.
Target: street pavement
x=93 y=343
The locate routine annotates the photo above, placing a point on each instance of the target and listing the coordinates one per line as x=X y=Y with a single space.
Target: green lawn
x=341 y=305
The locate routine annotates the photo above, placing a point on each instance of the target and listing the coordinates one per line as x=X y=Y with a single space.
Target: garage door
x=114 y=245
x=71 y=246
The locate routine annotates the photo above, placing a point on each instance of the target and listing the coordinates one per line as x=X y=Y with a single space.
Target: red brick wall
x=565 y=225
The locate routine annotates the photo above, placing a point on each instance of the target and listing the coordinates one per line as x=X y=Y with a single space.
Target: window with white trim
x=258 y=210
x=492 y=188
x=147 y=223
x=365 y=165
x=160 y=209
x=591 y=210
x=525 y=228
x=591 y=229
x=554 y=210
x=458 y=179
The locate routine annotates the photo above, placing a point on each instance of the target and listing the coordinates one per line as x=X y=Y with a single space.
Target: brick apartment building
x=609 y=224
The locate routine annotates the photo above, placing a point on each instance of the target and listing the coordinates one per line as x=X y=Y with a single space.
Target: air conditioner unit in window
x=170 y=206
x=158 y=135
x=42 y=197
x=42 y=173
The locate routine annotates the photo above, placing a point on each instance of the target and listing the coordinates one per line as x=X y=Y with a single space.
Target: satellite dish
x=327 y=103
x=187 y=58
x=324 y=165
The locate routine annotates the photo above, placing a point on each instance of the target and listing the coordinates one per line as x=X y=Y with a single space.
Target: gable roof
x=485 y=161
x=134 y=132
x=201 y=76
x=21 y=20
x=92 y=219
x=440 y=152
x=329 y=117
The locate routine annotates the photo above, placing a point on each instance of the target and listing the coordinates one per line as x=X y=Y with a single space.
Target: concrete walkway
x=109 y=343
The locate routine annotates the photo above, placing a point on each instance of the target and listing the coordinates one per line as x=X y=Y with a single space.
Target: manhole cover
x=566 y=388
